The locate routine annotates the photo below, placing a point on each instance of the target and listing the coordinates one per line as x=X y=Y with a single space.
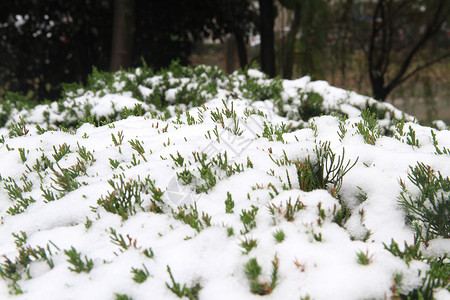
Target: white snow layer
x=317 y=257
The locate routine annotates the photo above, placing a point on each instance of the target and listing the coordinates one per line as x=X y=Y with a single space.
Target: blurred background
x=397 y=51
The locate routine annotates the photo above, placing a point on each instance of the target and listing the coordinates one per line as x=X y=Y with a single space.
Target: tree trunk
x=290 y=44
x=267 y=18
x=230 y=54
x=241 y=50
x=123 y=35
x=378 y=89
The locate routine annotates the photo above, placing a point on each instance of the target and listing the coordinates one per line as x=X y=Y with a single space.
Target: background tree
x=267 y=50
x=167 y=30
x=123 y=34
x=310 y=23
x=339 y=38
x=44 y=44
x=399 y=33
x=239 y=18
x=288 y=57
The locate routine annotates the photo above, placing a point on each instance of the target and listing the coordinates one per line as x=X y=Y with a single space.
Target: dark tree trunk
x=378 y=89
x=241 y=50
x=123 y=35
x=290 y=44
x=267 y=17
x=230 y=54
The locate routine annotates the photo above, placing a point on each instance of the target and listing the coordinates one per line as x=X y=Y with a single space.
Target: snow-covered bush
x=194 y=183
x=111 y=97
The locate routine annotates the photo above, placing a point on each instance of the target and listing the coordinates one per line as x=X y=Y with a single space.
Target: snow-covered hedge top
x=209 y=186
x=111 y=97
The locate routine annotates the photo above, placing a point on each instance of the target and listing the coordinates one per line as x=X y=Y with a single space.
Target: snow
x=255 y=73
x=321 y=269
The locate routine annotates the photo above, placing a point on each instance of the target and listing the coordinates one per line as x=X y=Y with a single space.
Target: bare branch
x=431 y=30
x=361 y=43
x=424 y=66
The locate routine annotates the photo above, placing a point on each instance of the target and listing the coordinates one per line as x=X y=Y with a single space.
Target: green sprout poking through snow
x=191 y=293
x=328 y=169
x=253 y=272
x=78 y=264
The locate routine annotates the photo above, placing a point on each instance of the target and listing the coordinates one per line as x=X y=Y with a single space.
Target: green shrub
x=428 y=212
x=261 y=89
x=368 y=127
x=327 y=169
x=311 y=105
x=11 y=102
x=438 y=276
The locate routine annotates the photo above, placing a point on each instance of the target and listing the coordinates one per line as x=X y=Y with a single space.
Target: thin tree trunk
x=267 y=18
x=230 y=54
x=290 y=44
x=241 y=50
x=123 y=34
